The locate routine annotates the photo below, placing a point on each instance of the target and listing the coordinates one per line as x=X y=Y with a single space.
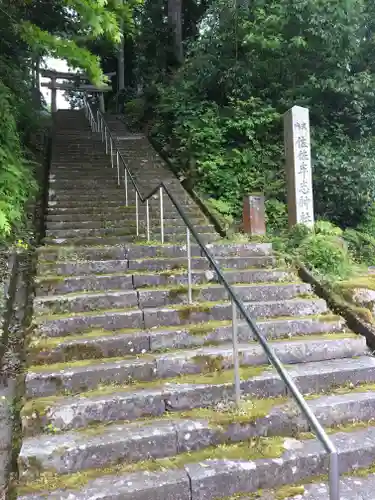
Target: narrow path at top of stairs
x=129 y=392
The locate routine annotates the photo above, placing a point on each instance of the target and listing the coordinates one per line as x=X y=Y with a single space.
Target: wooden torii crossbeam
x=53 y=85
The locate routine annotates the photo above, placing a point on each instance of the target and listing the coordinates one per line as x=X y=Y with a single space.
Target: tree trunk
x=175 y=21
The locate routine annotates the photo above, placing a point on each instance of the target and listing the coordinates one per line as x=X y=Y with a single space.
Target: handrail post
x=102 y=127
x=334 y=476
x=236 y=364
x=111 y=147
x=106 y=141
x=126 y=188
x=136 y=212
x=188 y=247
x=161 y=216
x=118 y=168
x=148 y=220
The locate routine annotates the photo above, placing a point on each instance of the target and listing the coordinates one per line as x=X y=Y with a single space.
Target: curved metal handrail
x=237 y=304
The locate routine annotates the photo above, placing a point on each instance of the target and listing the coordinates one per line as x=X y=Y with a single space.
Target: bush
x=16 y=175
x=321 y=249
x=326 y=255
x=361 y=246
x=276 y=216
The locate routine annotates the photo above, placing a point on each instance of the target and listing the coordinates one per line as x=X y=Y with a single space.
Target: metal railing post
x=334 y=476
x=161 y=216
x=148 y=220
x=111 y=147
x=106 y=141
x=118 y=168
x=136 y=212
x=126 y=187
x=102 y=127
x=236 y=364
x=188 y=246
x=98 y=120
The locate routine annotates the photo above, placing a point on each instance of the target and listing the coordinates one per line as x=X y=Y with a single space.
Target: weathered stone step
x=84 y=302
x=292 y=461
x=68 y=324
x=75 y=451
x=142 y=250
x=114 y=240
x=87 y=210
x=74 y=378
x=357 y=487
x=214 y=293
x=114 y=403
x=174 y=278
x=176 y=263
x=113 y=299
x=78 y=268
x=163 y=265
x=106 y=229
x=117 y=221
x=60 y=285
x=100 y=344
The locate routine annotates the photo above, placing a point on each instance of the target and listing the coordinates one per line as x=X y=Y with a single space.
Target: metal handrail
x=237 y=304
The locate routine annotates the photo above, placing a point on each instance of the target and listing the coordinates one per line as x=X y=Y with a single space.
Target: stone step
x=115 y=403
x=90 y=209
x=75 y=451
x=292 y=461
x=163 y=265
x=356 y=487
x=117 y=299
x=116 y=221
x=221 y=248
x=175 y=263
x=85 y=302
x=61 y=285
x=81 y=268
x=73 y=378
x=101 y=344
x=68 y=324
x=108 y=230
x=115 y=240
x=215 y=293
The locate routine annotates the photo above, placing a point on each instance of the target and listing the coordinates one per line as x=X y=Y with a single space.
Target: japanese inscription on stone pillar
x=298 y=166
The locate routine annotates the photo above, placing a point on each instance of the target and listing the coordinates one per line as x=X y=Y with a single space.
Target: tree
x=219 y=118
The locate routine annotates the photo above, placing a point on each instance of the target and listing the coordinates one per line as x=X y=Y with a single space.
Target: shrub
x=361 y=246
x=327 y=255
x=276 y=216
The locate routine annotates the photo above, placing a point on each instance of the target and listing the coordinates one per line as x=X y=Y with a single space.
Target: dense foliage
x=219 y=114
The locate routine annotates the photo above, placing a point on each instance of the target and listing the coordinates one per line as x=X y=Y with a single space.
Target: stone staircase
x=129 y=392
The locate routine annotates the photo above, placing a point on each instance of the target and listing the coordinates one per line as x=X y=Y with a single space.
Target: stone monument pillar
x=298 y=166
x=254 y=216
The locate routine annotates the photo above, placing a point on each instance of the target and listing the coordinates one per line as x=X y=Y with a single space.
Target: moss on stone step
x=225 y=377
x=255 y=449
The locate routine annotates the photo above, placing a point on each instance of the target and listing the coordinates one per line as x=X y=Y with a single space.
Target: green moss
x=248 y=412
x=175 y=292
x=209 y=363
x=201 y=329
x=71 y=365
x=52 y=317
x=225 y=377
x=184 y=312
x=260 y=448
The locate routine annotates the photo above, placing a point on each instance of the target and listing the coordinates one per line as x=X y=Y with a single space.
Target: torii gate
x=75 y=85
